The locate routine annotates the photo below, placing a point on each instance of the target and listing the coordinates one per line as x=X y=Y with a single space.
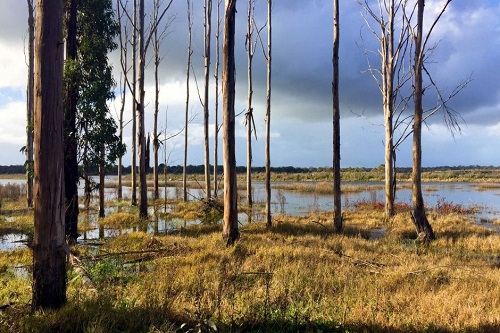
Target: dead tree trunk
x=49 y=246
x=186 y=116
x=422 y=225
x=143 y=204
x=102 y=173
x=134 y=106
x=30 y=105
x=123 y=38
x=156 y=141
x=388 y=70
x=216 y=116
x=389 y=77
x=337 y=204
x=207 y=28
x=230 y=232
x=268 y=117
x=249 y=115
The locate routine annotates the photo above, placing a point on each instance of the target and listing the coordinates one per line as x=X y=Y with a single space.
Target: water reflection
x=13 y=241
x=289 y=202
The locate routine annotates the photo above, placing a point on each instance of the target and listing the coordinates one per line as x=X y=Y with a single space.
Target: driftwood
x=78 y=268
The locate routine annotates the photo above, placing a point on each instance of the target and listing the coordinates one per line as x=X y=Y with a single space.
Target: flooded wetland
x=171 y=272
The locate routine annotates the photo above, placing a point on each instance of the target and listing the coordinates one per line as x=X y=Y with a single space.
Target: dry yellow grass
x=297 y=276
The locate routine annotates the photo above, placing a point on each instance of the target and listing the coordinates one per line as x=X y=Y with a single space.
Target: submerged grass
x=296 y=276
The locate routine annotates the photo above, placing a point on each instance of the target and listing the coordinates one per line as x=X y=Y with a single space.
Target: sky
x=466 y=44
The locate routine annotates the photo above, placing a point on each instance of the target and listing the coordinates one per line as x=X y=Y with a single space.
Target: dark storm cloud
x=469 y=46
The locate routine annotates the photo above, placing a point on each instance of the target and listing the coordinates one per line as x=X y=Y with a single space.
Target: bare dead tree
x=268 y=116
x=144 y=39
x=156 y=141
x=422 y=225
x=390 y=77
x=141 y=138
x=123 y=41
x=337 y=204
x=207 y=34
x=230 y=232
x=216 y=115
x=186 y=116
x=158 y=37
x=102 y=172
x=30 y=104
x=250 y=44
x=134 y=105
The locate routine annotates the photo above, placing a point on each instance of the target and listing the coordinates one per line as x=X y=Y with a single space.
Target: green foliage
x=96 y=127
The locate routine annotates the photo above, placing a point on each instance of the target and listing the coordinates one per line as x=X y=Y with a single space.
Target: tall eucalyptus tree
x=49 y=244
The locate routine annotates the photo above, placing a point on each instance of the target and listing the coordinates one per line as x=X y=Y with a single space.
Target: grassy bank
x=297 y=276
x=439 y=174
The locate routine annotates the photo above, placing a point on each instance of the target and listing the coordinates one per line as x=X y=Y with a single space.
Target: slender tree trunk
x=102 y=172
x=120 y=158
x=49 y=246
x=207 y=26
x=422 y=225
x=216 y=116
x=143 y=205
x=123 y=61
x=186 y=117
x=268 y=117
x=30 y=105
x=388 y=58
x=71 y=172
x=156 y=141
x=230 y=232
x=249 y=114
x=337 y=203
x=134 y=106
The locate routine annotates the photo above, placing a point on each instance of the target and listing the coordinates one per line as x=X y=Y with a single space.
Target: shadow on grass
x=107 y=316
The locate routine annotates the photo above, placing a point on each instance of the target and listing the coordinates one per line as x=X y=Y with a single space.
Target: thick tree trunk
x=337 y=203
x=71 y=172
x=49 y=246
x=30 y=105
x=422 y=225
x=207 y=25
x=230 y=232
x=268 y=118
x=143 y=205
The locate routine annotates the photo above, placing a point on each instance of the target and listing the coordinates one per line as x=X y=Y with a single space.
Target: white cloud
x=12 y=65
x=13 y=124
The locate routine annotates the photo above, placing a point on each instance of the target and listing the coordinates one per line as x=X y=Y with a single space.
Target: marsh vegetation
x=296 y=276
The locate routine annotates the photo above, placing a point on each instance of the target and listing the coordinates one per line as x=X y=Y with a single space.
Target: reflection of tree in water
x=281 y=199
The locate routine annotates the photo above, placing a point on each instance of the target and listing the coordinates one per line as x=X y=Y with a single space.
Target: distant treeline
x=199 y=169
